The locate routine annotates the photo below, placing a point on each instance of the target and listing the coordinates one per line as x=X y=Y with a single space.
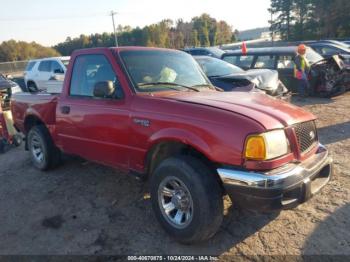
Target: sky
x=49 y=22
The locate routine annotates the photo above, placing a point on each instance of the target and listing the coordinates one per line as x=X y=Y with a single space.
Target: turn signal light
x=255 y=148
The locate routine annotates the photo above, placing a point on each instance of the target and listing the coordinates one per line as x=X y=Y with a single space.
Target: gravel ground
x=85 y=208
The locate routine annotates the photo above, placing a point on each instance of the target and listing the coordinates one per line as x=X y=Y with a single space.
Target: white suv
x=46 y=74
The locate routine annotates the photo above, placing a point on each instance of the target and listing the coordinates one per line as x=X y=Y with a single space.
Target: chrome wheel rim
x=37 y=149
x=175 y=202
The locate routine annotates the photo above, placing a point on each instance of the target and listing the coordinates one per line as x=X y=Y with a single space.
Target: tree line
x=19 y=50
x=202 y=30
x=310 y=19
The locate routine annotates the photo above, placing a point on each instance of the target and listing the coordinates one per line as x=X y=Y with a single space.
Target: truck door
x=92 y=127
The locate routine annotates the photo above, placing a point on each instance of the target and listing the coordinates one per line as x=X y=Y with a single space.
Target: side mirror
x=104 y=89
x=9 y=77
x=58 y=71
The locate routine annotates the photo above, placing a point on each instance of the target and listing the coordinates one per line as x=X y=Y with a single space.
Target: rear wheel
x=43 y=152
x=187 y=199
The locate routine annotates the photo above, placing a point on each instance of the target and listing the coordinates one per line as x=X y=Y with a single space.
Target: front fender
x=181 y=136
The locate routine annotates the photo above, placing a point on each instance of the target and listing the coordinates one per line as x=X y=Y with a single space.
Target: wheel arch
x=166 y=146
x=30 y=121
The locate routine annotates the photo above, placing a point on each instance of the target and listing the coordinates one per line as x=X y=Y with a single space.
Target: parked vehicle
x=232 y=78
x=205 y=51
x=329 y=48
x=327 y=77
x=8 y=134
x=46 y=74
x=6 y=83
x=153 y=112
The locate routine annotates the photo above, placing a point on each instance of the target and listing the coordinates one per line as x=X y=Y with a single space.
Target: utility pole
x=271 y=26
x=115 y=33
x=272 y=31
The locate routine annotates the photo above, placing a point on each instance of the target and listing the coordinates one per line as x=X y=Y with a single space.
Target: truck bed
x=41 y=105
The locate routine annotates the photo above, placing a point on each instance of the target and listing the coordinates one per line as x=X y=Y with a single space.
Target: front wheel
x=187 y=199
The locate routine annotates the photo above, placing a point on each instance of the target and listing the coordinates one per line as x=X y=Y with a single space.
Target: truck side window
x=89 y=70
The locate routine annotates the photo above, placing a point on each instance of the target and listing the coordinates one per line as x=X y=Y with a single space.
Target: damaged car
x=232 y=78
x=328 y=77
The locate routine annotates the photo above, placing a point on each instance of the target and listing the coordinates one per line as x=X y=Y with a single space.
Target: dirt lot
x=84 y=208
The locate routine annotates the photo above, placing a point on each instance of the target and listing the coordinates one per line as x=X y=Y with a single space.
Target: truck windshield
x=160 y=70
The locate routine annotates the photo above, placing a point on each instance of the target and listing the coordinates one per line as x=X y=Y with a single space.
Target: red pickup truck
x=152 y=112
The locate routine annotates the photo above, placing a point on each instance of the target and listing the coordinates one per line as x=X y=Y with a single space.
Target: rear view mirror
x=104 y=89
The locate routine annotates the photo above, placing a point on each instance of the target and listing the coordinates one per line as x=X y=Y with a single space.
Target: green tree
x=224 y=33
x=19 y=50
x=303 y=11
x=202 y=30
x=194 y=38
x=179 y=40
x=311 y=19
x=283 y=9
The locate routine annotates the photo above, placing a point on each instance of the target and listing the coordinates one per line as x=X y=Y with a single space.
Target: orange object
x=301 y=49
x=255 y=148
x=244 y=48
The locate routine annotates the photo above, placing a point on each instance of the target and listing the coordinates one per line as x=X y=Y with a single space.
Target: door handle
x=65 y=110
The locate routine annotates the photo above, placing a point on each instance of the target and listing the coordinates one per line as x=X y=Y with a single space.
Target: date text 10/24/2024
x=172 y=258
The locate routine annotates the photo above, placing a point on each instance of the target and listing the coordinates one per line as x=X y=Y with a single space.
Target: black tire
x=206 y=194
x=39 y=136
x=31 y=87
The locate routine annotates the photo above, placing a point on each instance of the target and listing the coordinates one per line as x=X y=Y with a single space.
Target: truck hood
x=268 y=111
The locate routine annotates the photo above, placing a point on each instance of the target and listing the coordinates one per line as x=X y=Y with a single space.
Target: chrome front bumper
x=282 y=187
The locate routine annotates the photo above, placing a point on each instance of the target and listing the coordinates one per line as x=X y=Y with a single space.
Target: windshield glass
x=216 y=67
x=150 y=70
x=312 y=56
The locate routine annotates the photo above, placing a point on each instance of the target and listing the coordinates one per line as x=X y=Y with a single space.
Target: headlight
x=266 y=146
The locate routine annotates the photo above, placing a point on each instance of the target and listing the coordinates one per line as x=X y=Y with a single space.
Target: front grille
x=307 y=135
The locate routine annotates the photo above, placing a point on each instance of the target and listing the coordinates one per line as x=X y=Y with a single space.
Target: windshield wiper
x=209 y=86
x=169 y=84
